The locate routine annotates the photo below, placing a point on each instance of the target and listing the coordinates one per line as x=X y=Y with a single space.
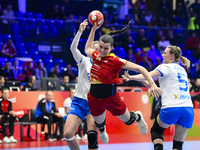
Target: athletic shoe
x=78 y=137
x=12 y=139
x=62 y=137
x=143 y=127
x=104 y=136
x=6 y=140
x=84 y=137
x=52 y=138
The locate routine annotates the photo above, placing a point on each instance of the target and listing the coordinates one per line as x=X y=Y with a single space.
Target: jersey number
x=180 y=79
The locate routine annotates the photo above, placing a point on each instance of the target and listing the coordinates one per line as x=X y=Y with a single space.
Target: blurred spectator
x=143 y=40
x=138 y=55
x=162 y=44
x=193 y=26
x=139 y=6
x=129 y=43
x=146 y=63
x=197 y=72
x=183 y=14
x=197 y=52
x=141 y=19
x=130 y=57
x=127 y=19
x=178 y=35
x=55 y=72
x=161 y=22
x=195 y=7
x=170 y=37
x=8 y=49
x=16 y=69
x=2 y=82
x=115 y=20
x=40 y=71
x=65 y=85
x=153 y=53
x=1 y=12
x=116 y=38
x=105 y=27
x=192 y=42
x=7 y=72
x=54 y=12
x=164 y=8
x=70 y=73
x=148 y=18
x=9 y=15
x=157 y=37
x=62 y=13
x=29 y=86
x=196 y=87
x=28 y=71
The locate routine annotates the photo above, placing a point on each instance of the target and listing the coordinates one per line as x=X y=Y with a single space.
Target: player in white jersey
x=177 y=107
x=79 y=107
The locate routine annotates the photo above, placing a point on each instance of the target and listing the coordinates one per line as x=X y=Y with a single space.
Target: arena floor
x=116 y=142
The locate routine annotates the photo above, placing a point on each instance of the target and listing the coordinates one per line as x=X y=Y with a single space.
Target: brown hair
x=177 y=54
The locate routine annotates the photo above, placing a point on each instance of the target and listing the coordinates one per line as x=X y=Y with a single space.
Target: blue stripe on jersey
x=81 y=60
x=91 y=60
x=160 y=72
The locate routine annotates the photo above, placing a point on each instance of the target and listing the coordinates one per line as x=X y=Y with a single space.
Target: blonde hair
x=95 y=42
x=177 y=54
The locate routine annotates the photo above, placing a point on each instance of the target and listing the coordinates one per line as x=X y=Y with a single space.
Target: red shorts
x=114 y=104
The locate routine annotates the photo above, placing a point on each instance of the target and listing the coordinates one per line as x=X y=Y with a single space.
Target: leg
x=92 y=133
x=11 y=129
x=60 y=124
x=157 y=133
x=3 y=121
x=71 y=125
x=179 y=137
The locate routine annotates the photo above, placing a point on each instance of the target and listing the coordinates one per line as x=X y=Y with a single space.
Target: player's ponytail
x=177 y=53
x=107 y=38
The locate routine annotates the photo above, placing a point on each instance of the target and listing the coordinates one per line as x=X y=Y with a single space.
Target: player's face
x=104 y=49
x=167 y=57
x=5 y=94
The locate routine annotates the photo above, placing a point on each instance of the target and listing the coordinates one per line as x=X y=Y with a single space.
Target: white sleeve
x=74 y=48
x=163 y=69
x=67 y=103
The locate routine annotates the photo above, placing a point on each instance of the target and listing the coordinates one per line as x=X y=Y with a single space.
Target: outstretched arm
x=89 y=44
x=74 y=46
x=155 y=91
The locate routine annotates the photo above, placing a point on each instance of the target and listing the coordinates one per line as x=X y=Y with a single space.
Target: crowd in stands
x=143 y=43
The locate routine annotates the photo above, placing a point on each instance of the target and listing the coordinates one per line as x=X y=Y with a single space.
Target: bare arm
x=74 y=46
x=89 y=44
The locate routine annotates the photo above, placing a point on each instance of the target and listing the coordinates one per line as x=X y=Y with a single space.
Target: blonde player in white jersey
x=79 y=107
x=177 y=107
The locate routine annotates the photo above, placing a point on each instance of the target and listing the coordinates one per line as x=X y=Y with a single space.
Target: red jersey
x=106 y=69
x=8 y=50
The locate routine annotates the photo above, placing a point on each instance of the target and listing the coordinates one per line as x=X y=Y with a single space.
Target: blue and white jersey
x=174 y=86
x=83 y=87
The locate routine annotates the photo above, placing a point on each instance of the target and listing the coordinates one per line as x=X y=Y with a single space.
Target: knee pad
x=157 y=131
x=177 y=145
x=92 y=139
x=69 y=139
x=100 y=125
x=132 y=118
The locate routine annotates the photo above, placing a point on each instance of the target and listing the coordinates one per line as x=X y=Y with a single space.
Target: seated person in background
x=7 y=72
x=6 y=113
x=196 y=87
x=29 y=85
x=162 y=44
x=28 y=71
x=2 y=82
x=46 y=113
x=55 y=72
x=70 y=73
x=40 y=71
x=65 y=85
x=8 y=49
x=9 y=14
x=16 y=69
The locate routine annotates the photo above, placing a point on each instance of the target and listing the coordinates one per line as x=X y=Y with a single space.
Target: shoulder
x=42 y=101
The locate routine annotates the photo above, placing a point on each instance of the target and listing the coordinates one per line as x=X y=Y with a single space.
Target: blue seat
x=38 y=16
x=29 y=15
x=20 y=14
x=6 y=37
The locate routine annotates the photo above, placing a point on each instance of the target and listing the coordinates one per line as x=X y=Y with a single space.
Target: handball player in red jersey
x=103 y=94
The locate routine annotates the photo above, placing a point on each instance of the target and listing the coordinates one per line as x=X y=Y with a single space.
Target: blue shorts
x=79 y=107
x=183 y=116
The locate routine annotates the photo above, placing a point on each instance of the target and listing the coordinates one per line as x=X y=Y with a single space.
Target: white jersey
x=83 y=87
x=67 y=104
x=174 y=86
